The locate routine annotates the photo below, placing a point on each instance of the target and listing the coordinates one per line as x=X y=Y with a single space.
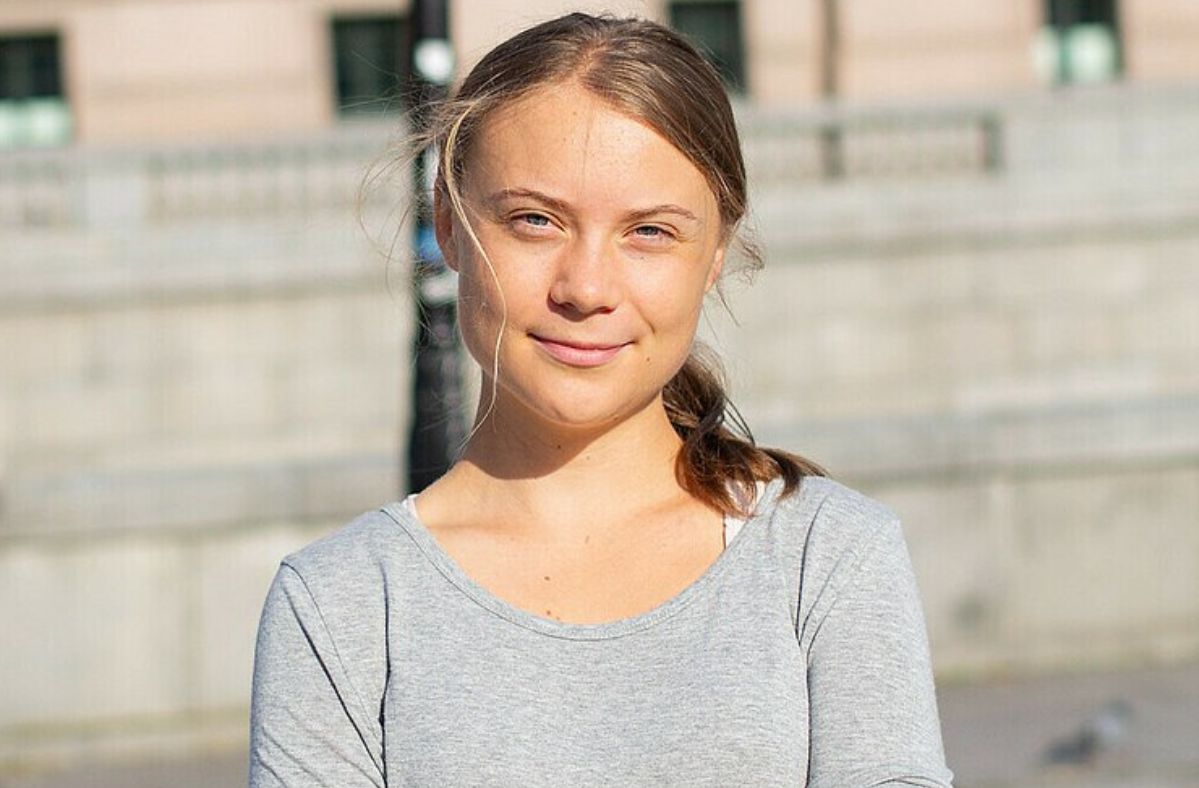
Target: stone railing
x=82 y=187
x=831 y=144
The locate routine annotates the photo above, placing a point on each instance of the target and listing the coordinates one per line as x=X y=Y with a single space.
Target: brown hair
x=650 y=73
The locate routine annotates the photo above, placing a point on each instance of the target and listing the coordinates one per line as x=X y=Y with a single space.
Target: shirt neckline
x=457 y=576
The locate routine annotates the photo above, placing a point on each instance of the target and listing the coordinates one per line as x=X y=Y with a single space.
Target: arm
x=309 y=725
x=873 y=710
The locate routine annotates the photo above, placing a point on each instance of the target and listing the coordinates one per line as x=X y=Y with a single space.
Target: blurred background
x=981 y=305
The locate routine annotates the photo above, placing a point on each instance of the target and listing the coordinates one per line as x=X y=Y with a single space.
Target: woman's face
x=603 y=239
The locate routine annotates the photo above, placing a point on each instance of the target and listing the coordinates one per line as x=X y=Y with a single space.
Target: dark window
x=371 y=61
x=33 y=110
x=29 y=67
x=1082 y=41
x=1064 y=13
x=715 y=27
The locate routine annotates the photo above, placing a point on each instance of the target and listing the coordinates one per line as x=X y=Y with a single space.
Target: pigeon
x=1096 y=736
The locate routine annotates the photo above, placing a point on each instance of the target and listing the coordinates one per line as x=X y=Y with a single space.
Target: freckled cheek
x=672 y=309
x=484 y=301
x=470 y=326
x=480 y=313
x=482 y=286
x=475 y=303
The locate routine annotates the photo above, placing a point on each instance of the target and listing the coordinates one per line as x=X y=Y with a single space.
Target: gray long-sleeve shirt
x=798 y=658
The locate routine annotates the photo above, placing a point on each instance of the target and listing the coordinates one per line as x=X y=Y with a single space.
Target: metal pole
x=1063 y=15
x=832 y=144
x=438 y=425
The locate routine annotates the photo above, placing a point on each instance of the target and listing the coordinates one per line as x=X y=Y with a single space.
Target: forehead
x=565 y=138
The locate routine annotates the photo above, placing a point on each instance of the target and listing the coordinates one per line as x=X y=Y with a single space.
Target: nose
x=585 y=278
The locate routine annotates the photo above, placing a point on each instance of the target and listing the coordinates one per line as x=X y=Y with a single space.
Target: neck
x=552 y=474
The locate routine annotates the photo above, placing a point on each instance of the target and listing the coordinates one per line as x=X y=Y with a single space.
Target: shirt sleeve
x=309 y=726
x=873 y=707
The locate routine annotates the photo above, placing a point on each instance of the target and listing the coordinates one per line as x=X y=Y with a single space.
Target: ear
x=717 y=267
x=443 y=225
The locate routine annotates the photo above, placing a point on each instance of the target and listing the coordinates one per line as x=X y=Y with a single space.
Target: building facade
x=117 y=72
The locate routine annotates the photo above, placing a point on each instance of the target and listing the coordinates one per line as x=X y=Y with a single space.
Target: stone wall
x=203 y=369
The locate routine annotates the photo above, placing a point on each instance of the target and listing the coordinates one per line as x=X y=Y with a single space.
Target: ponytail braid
x=719 y=462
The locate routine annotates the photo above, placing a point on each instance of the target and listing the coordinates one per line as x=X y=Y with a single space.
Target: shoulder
x=823 y=534
x=353 y=547
x=336 y=590
x=323 y=631
x=344 y=574
x=829 y=515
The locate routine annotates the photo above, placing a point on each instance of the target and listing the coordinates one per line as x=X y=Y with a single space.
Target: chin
x=578 y=413
x=580 y=407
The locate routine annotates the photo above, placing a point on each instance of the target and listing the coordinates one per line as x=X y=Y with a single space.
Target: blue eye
x=534 y=226
x=650 y=231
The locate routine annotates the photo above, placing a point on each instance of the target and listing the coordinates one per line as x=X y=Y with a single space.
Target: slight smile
x=578 y=354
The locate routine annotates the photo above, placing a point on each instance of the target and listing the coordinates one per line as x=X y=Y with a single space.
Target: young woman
x=611 y=587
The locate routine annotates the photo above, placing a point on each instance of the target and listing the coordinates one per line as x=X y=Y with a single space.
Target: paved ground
x=997 y=735
x=1005 y=733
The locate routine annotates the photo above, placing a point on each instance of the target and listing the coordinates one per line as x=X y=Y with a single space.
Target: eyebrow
x=563 y=207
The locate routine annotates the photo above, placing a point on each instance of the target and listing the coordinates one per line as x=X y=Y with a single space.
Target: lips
x=578 y=354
